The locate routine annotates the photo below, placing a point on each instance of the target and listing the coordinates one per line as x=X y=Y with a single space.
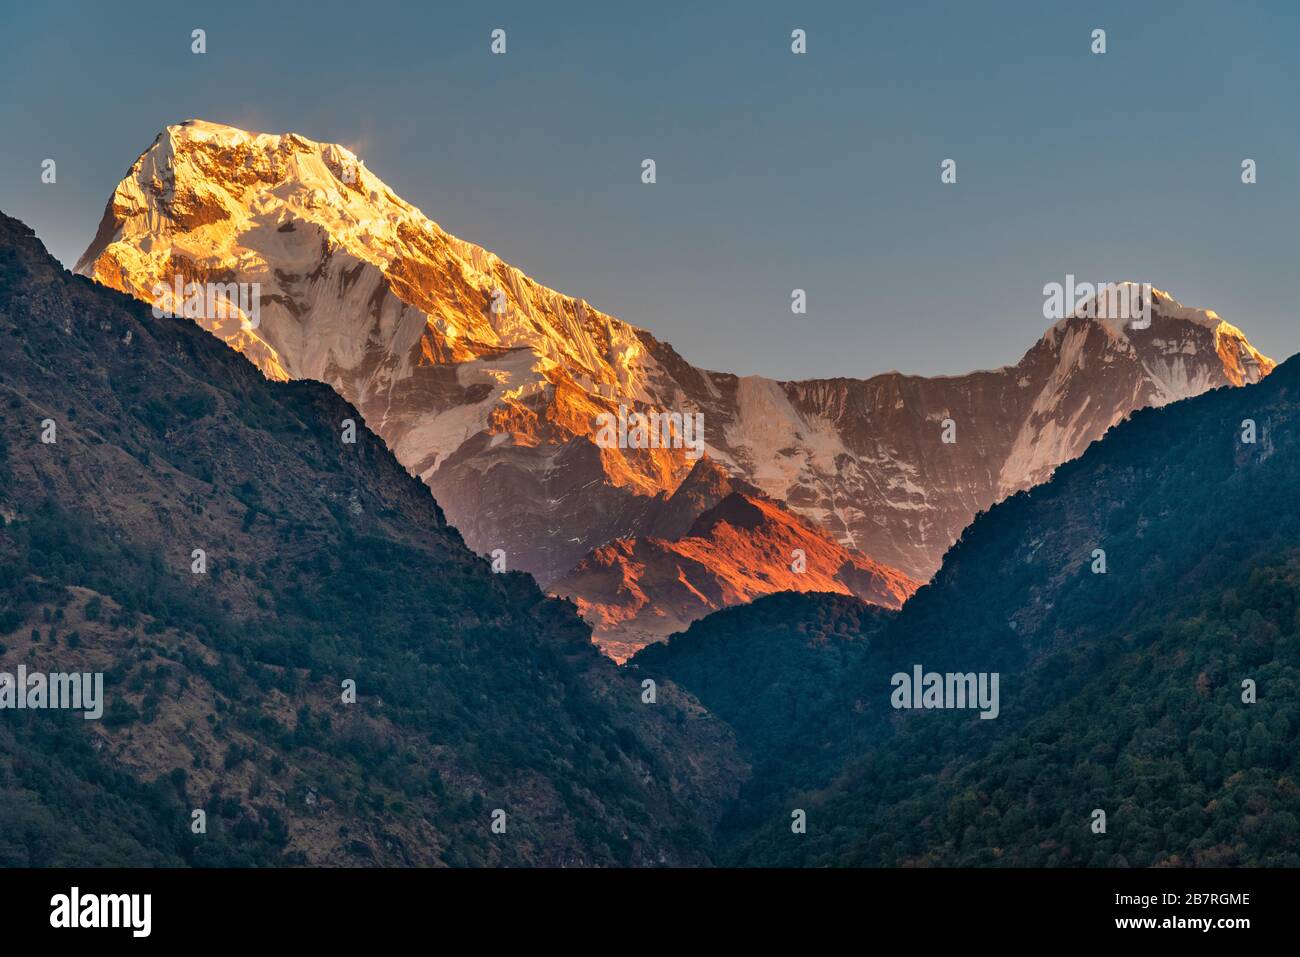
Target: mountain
x=209 y=542
x=489 y=386
x=1141 y=610
x=493 y=409
x=636 y=591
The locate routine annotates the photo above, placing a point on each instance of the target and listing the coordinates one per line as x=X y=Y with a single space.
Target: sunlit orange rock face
x=488 y=385
x=638 y=590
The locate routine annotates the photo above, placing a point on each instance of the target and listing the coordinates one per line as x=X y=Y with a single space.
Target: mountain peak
x=737 y=510
x=1117 y=310
x=1181 y=348
x=218 y=181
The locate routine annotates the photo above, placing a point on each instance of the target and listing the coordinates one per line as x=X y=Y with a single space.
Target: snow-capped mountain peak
x=490 y=386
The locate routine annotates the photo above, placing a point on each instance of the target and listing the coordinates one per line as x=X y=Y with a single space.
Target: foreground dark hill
x=767 y=667
x=325 y=563
x=1119 y=691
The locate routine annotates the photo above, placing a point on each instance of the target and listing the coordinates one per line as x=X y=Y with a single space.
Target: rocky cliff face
x=638 y=590
x=489 y=386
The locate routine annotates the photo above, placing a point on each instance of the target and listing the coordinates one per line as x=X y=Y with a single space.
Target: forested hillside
x=324 y=563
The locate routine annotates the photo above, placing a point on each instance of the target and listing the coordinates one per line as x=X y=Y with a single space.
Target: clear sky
x=775 y=171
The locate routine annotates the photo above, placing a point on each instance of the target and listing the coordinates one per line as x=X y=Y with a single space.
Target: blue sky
x=775 y=171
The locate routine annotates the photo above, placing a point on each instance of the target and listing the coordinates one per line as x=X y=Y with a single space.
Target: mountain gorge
x=488 y=386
